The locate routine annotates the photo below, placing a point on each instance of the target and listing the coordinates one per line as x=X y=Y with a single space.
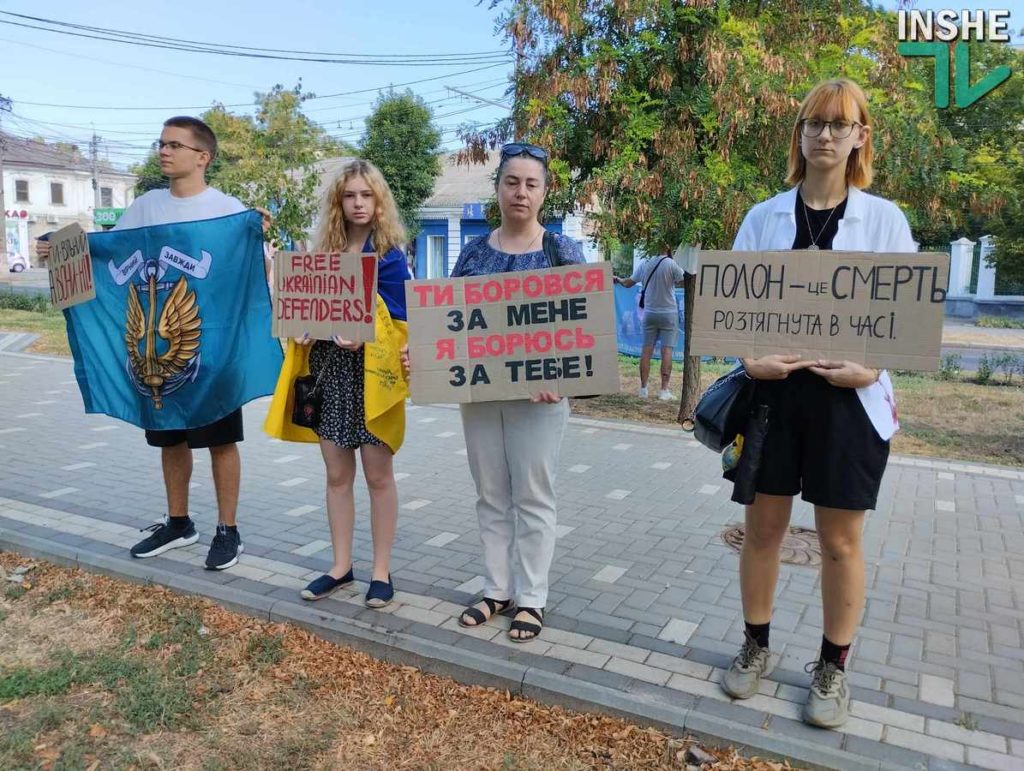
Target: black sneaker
x=166 y=534
x=224 y=551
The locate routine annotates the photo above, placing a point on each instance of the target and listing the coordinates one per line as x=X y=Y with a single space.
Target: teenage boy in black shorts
x=187 y=147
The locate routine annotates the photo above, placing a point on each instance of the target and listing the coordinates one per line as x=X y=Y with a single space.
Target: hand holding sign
x=538 y=334
x=71 y=280
x=324 y=296
x=775 y=366
x=874 y=309
x=845 y=374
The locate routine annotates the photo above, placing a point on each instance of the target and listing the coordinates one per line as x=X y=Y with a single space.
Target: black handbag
x=308 y=402
x=723 y=410
x=744 y=474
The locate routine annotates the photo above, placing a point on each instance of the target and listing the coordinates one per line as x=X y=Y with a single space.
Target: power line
x=249 y=104
x=144 y=36
x=114 y=36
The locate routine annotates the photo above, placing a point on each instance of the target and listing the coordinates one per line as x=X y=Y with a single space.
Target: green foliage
x=149 y=175
x=267 y=159
x=145 y=694
x=17 y=301
x=999 y=322
x=403 y=143
x=950 y=366
x=265 y=649
x=1009 y=364
x=985 y=370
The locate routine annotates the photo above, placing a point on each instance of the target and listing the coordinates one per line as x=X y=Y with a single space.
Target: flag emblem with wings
x=169 y=355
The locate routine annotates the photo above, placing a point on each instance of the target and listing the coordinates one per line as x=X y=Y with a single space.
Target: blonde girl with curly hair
x=363 y=409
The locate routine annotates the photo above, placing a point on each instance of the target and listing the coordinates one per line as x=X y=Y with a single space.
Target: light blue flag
x=178 y=335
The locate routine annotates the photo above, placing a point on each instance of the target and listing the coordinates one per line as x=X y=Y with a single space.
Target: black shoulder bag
x=643 y=292
x=723 y=410
x=550 y=247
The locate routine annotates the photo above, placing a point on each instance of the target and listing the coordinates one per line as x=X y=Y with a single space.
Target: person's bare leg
x=341 y=507
x=666 y=367
x=380 y=482
x=177 y=467
x=767 y=519
x=227 y=480
x=646 y=354
x=842 y=571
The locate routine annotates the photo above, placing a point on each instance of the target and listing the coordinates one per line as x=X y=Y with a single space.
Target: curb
x=464 y=666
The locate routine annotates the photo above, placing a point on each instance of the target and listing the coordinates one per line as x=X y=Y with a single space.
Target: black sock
x=179 y=523
x=759 y=632
x=834 y=654
x=231 y=528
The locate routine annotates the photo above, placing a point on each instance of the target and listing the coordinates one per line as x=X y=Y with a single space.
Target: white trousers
x=513 y=455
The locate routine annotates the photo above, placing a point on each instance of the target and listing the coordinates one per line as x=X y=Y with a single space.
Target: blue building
x=454 y=215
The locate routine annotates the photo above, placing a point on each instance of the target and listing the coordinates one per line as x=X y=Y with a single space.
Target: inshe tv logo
x=928 y=33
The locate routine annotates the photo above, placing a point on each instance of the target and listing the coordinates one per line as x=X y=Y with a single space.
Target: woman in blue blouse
x=513 y=445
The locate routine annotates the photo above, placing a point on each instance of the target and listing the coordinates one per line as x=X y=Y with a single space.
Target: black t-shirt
x=824 y=224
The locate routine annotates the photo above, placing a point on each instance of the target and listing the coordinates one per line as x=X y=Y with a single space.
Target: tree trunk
x=691 y=364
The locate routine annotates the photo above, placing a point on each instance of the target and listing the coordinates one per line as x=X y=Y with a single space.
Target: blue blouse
x=392 y=273
x=478 y=258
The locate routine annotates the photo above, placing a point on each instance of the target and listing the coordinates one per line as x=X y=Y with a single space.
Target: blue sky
x=57 y=69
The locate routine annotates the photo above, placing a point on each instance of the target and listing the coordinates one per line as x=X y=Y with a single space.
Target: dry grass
x=165 y=681
x=49 y=326
x=955 y=419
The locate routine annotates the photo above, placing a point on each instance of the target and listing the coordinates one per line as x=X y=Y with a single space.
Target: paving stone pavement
x=645 y=595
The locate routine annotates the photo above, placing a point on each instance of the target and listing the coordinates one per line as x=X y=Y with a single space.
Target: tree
x=266 y=159
x=403 y=143
x=676 y=117
x=270 y=159
x=149 y=176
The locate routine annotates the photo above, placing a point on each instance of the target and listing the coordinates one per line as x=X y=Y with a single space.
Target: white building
x=48 y=186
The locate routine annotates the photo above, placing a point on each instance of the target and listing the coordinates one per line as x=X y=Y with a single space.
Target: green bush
x=985 y=369
x=1009 y=364
x=950 y=367
x=999 y=322
x=25 y=302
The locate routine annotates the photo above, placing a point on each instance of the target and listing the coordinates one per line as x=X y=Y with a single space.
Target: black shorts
x=820 y=442
x=227 y=430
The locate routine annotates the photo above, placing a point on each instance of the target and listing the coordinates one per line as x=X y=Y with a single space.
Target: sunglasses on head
x=513 y=149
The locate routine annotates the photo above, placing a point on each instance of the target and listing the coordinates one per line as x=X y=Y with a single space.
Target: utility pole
x=5 y=106
x=94 y=146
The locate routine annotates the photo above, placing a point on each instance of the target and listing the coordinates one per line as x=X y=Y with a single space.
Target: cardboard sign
x=71 y=279
x=512 y=335
x=325 y=295
x=879 y=310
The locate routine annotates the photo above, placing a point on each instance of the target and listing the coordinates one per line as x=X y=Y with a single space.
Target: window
x=57 y=193
x=21 y=190
x=106 y=197
x=436 y=257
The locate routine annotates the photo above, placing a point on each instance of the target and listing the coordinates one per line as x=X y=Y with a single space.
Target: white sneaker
x=643 y=392
x=665 y=395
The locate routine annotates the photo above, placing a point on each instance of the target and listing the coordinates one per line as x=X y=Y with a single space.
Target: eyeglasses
x=513 y=149
x=839 y=129
x=175 y=146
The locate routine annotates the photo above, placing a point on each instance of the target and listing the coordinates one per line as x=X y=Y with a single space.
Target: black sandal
x=527 y=626
x=474 y=613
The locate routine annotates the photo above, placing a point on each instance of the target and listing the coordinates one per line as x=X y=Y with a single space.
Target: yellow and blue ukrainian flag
x=385 y=387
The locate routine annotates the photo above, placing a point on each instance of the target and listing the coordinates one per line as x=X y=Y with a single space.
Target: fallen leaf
x=96 y=731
